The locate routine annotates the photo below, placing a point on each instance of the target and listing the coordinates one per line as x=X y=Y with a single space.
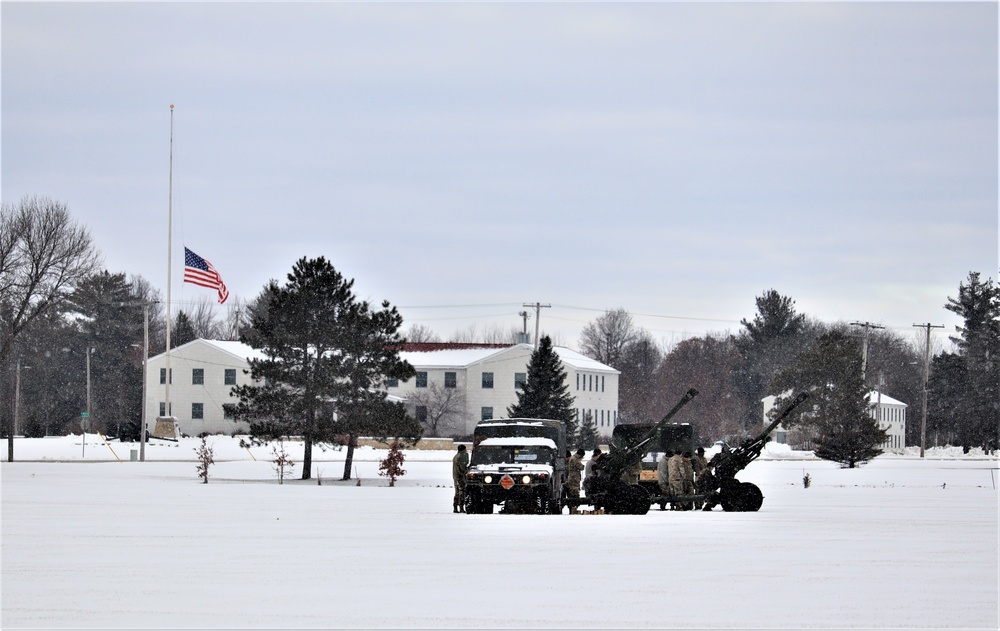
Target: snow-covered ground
x=900 y=543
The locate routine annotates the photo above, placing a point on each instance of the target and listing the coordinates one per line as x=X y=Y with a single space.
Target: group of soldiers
x=684 y=473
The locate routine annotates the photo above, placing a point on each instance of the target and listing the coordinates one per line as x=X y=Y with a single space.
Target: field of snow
x=91 y=542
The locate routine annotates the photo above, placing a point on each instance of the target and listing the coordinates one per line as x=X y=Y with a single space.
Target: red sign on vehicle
x=506 y=482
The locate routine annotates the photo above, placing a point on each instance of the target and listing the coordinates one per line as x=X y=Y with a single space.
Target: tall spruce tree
x=545 y=393
x=838 y=406
x=766 y=346
x=972 y=403
x=325 y=352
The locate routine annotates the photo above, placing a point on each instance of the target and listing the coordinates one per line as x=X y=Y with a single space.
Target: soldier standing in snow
x=459 y=469
x=573 y=478
x=687 y=478
x=588 y=470
x=675 y=475
x=662 y=473
x=702 y=476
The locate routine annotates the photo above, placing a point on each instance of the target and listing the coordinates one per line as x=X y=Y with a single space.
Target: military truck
x=518 y=464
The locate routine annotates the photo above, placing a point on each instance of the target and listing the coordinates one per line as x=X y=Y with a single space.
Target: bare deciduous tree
x=43 y=254
x=202 y=315
x=494 y=334
x=419 y=333
x=445 y=407
x=605 y=338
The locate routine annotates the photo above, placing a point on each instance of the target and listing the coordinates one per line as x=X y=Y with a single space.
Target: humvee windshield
x=504 y=454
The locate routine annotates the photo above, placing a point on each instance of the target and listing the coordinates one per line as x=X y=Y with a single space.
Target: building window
x=590 y=383
x=163 y=375
x=392 y=382
x=228 y=411
x=230 y=376
x=197 y=376
x=421 y=413
x=421 y=379
x=486 y=413
x=450 y=380
x=197 y=411
x=163 y=408
x=602 y=383
x=520 y=378
x=488 y=383
x=577 y=381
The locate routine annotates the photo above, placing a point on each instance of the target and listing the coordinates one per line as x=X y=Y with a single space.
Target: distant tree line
x=58 y=305
x=780 y=350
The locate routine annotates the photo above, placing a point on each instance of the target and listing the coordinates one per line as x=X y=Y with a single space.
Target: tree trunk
x=349 y=460
x=307 y=457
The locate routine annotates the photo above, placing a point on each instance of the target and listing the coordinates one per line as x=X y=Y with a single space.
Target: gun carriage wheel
x=743 y=497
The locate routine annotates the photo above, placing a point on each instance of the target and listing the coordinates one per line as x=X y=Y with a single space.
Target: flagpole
x=170 y=229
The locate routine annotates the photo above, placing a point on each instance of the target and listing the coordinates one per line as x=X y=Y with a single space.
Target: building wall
x=212 y=395
x=891 y=415
x=594 y=389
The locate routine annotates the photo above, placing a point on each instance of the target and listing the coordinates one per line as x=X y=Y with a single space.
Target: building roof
x=465 y=355
x=236 y=349
x=873 y=399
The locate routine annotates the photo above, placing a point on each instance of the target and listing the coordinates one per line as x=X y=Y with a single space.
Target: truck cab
x=519 y=464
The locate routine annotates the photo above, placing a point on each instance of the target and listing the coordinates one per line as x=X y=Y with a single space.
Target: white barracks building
x=486 y=377
x=890 y=414
x=489 y=376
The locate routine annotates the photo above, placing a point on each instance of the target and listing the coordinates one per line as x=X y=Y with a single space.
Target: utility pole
x=538 y=312
x=927 y=374
x=864 y=348
x=524 y=330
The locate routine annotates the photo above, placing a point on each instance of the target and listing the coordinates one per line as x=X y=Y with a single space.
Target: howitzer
x=606 y=490
x=725 y=488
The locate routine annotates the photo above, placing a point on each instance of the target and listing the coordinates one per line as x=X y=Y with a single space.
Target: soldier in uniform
x=675 y=477
x=702 y=475
x=662 y=473
x=588 y=470
x=459 y=469
x=687 y=478
x=574 y=477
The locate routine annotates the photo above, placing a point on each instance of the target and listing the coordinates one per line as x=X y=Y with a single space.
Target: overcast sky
x=459 y=160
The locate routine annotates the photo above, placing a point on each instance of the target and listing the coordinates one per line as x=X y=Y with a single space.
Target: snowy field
x=899 y=543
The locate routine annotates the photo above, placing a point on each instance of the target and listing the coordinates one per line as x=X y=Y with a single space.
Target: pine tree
x=327 y=358
x=978 y=343
x=831 y=372
x=545 y=393
x=587 y=436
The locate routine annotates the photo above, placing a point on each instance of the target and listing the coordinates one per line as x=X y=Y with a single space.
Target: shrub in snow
x=282 y=462
x=205 y=459
x=392 y=466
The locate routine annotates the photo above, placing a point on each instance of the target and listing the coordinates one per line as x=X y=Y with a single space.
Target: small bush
x=392 y=466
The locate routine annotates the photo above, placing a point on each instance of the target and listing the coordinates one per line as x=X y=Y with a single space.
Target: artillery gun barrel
x=802 y=396
x=619 y=460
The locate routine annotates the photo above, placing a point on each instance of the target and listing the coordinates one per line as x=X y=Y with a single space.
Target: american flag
x=198 y=271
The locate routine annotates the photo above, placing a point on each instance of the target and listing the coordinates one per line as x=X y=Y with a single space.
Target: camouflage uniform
x=675 y=476
x=687 y=479
x=459 y=469
x=702 y=475
x=574 y=476
x=663 y=475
